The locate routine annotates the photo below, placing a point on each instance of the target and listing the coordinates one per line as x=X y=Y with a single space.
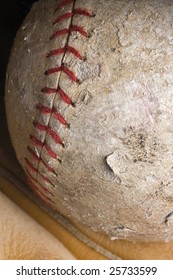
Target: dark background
x=12 y=13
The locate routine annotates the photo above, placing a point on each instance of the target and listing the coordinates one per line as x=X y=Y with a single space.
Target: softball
x=89 y=103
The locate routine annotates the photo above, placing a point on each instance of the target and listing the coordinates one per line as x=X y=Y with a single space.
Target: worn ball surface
x=89 y=102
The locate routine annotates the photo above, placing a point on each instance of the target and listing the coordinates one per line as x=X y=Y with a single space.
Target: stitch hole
x=68 y=125
x=89 y=34
x=93 y=15
x=79 y=82
x=73 y=104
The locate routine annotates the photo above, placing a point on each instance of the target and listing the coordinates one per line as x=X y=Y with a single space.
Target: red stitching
x=42 y=195
x=40 y=126
x=70 y=14
x=46 y=110
x=49 y=150
x=37 y=158
x=36 y=181
x=56 y=52
x=53 y=70
x=37 y=189
x=40 y=144
x=43 y=109
x=63 y=17
x=65 y=49
x=69 y=30
x=69 y=73
x=82 y=12
x=63 y=95
x=59 y=33
x=30 y=165
x=55 y=136
x=33 y=187
x=49 y=90
x=48 y=129
x=59 y=117
x=64 y=69
x=35 y=170
x=50 y=169
x=78 y=29
x=52 y=112
x=36 y=141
